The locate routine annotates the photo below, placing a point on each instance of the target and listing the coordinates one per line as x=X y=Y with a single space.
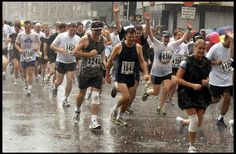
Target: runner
x=27 y=43
x=91 y=49
x=64 y=44
x=129 y=54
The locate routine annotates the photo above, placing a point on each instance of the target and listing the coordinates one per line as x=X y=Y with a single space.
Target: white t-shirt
x=179 y=53
x=6 y=31
x=63 y=40
x=28 y=42
x=162 y=57
x=220 y=75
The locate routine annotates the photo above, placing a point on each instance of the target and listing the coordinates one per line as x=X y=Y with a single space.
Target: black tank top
x=126 y=62
x=92 y=65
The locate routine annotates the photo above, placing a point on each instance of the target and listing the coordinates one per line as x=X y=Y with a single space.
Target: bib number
x=69 y=48
x=127 y=68
x=176 y=60
x=28 y=55
x=226 y=66
x=165 y=57
x=94 y=61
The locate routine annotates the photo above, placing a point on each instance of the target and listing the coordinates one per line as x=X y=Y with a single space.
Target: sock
x=77 y=109
x=149 y=91
x=65 y=98
x=120 y=115
x=220 y=117
x=94 y=118
x=29 y=87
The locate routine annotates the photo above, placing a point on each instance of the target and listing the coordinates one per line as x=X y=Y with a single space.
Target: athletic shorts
x=62 y=68
x=217 y=92
x=158 y=80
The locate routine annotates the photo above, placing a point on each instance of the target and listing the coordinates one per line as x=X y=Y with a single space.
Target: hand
x=197 y=87
x=218 y=62
x=205 y=82
x=45 y=57
x=21 y=50
x=116 y=8
x=146 y=77
x=108 y=79
x=93 y=53
x=229 y=33
x=147 y=16
x=189 y=24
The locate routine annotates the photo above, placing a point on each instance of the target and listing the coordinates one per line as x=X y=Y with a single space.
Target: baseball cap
x=96 y=25
x=165 y=33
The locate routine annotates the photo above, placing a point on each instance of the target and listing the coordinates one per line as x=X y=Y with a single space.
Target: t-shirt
x=180 y=52
x=162 y=57
x=221 y=75
x=28 y=42
x=63 y=40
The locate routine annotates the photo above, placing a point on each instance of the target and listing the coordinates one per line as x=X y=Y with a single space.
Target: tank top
x=126 y=62
x=92 y=66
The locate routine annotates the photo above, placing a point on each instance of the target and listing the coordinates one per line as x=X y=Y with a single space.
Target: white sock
x=29 y=87
x=94 y=118
x=77 y=109
x=65 y=98
x=149 y=91
x=220 y=117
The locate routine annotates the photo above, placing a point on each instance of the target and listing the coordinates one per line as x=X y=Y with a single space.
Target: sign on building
x=188 y=12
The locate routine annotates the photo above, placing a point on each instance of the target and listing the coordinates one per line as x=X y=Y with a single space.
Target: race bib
x=69 y=48
x=28 y=55
x=165 y=56
x=176 y=60
x=127 y=67
x=94 y=61
x=226 y=66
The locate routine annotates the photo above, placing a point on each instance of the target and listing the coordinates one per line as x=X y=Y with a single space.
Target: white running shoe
x=76 y=117
x=28 y=92
x=15 y=83
x=179 y=121
x=66 y=103
x=231 y=123
x=113 y=115
x=120 y=121
x=192 y=149
x=95 y=125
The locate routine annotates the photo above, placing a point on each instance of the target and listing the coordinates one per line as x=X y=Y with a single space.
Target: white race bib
x=94 y=61
x=69 y=48
x=226 y=66
x=176 y=60
x=165 y=56
x=28 y=55
x=127 y=67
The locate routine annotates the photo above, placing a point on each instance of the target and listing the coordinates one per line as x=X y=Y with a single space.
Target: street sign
x=188 y=12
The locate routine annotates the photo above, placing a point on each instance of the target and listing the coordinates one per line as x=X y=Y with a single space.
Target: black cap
x=197 y=35
x=97 y=25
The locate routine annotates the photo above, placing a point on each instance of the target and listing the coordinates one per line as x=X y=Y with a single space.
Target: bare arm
x=143 y=63
x=83 y=43
x=116 y=11
x=115 y=52
x=147 y=29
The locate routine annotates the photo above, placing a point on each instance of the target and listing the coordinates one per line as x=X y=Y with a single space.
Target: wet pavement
x=39 y=123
